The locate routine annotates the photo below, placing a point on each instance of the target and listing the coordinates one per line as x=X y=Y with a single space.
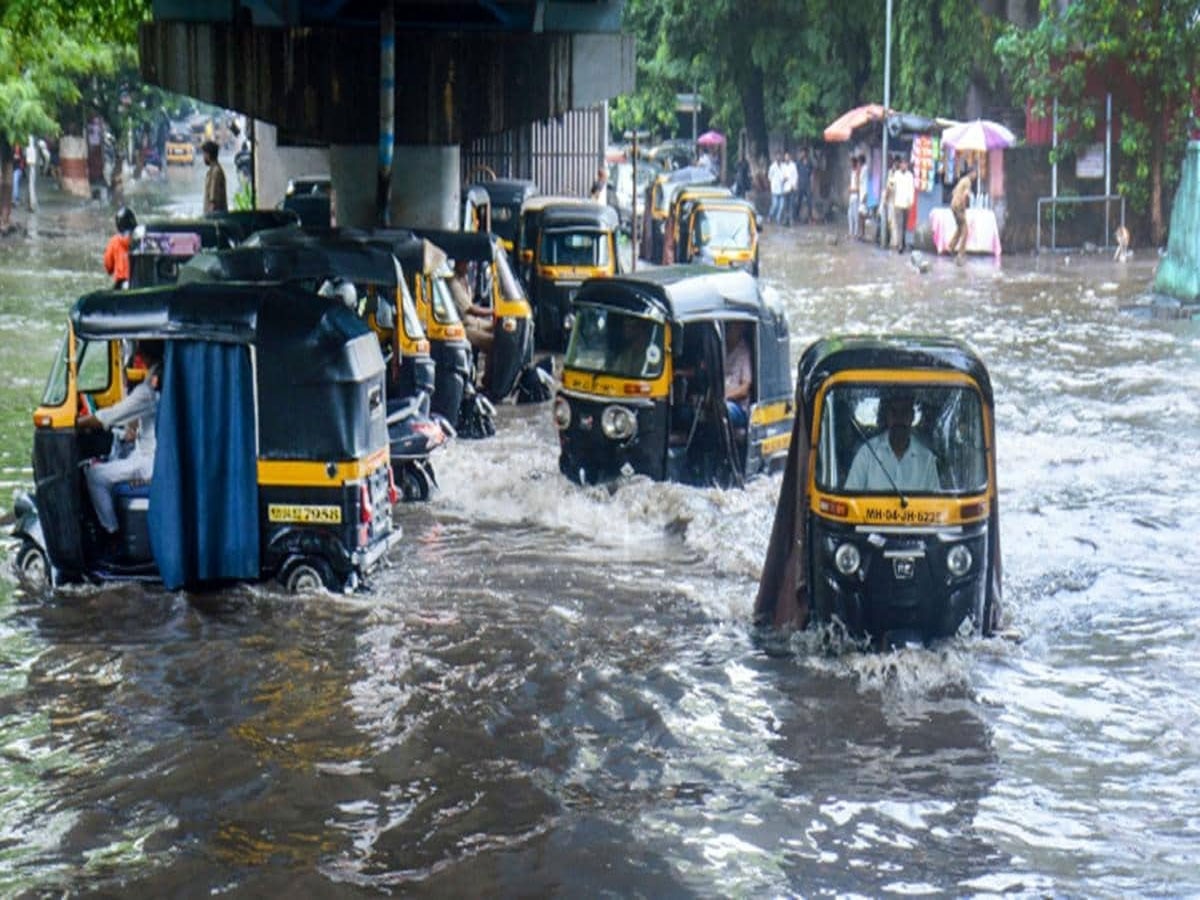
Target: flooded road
x=554 y=690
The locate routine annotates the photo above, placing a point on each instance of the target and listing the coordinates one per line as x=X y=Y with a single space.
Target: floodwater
x=555 y=690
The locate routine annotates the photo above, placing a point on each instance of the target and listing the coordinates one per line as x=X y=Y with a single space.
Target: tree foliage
x=1146 y=54
x=793 y=66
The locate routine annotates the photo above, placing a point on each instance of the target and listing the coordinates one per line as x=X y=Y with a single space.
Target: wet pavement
x=554 y=690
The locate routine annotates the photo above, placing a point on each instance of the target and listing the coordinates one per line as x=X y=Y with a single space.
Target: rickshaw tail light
x=834 y=507
x=637 y=387
x=393 y=493
x=365 y=512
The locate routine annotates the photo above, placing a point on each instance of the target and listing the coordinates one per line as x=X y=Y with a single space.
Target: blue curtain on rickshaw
x=204 y=493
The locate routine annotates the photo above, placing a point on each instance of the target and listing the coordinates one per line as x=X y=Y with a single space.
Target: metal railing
x=1055 y=202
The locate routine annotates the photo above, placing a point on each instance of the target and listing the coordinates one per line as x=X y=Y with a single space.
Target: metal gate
x=561 y=155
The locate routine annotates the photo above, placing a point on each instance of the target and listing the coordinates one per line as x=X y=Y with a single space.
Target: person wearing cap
x=215 y=199
x=116 y=254
x=895 y=459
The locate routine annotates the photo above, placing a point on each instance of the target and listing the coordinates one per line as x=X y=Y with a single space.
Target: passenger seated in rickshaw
x=895 y=459
x=739 y=376
x=477 y=320
x=137 y=411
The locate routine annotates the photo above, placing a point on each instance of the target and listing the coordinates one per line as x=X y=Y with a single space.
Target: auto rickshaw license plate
x=305 y=513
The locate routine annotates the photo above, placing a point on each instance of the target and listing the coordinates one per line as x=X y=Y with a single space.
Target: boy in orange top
x=116 y=254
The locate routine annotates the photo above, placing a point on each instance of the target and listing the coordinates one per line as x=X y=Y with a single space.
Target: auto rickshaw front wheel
x=32 y=568
x=307 y=575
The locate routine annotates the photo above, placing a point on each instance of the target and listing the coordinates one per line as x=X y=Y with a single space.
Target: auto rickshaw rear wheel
x=307 y=575
x=32 y=568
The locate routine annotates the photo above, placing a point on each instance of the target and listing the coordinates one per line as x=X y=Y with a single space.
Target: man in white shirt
x=138 y=411
x=775 y=178
x=902 y=200
x=894 y=460
x=31 y=170
x=790 y=179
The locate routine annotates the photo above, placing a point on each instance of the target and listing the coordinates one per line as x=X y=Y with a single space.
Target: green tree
x=50 y=50
x=1145 y=53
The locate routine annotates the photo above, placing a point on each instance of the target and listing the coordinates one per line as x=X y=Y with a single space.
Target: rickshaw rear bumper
x=366 y=558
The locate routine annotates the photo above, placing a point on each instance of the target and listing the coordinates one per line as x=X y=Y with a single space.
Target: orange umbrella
x=843 y=127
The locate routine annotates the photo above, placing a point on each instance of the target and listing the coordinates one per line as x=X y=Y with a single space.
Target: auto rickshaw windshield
x=728 y=228
x=510 y=287
x=408 y=312
x=615 y=343
x=861 y=424
x=442 y=301
x=574 y=248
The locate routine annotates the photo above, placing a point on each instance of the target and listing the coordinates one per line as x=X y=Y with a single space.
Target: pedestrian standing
x=958 y=205
x=789 y=188
x=887 y=229
x=215 y=198
x=775 y=177
x=31 y=171
x=18 y=164
x=804 y=171
x=902 y=200
x=742 y=182
x=852 y=198
x=116 y=254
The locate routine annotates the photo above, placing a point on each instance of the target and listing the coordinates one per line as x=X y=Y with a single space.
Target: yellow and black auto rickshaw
x=682 y=200
x=643 y=381
x=508 y=370
x=507 y=196
x=887 y=522
x=378 y=294
x=656 y=210
x=719 y=231
x=272 y=448
x=575 y=242
x=529 y=222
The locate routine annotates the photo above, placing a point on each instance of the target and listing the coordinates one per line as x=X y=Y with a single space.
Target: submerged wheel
x=307 y=575
x=414 y=483
x=33 y=569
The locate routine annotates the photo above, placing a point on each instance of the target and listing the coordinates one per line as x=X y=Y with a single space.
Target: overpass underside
x=320 y=87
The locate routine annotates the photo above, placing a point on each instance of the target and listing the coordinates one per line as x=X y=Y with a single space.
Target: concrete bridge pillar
x=425 y=185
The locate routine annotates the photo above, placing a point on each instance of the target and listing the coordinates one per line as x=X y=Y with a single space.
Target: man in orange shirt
x=116 y=254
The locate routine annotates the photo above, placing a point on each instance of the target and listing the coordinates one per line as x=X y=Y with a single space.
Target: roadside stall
x=977 y=145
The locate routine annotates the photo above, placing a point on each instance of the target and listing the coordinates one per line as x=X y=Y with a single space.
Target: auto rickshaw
x=381 y=298
x=508 y=369
x=574 y=242
x=528 y=223
x=282 y=388
x=179 y=149
x=427 y=271
x=719 y=231
x=657 y=207
x=887 y=522
x=476 y=209
x=680 y=201
x=643 y=381
x=507 y=195
x=160 y=247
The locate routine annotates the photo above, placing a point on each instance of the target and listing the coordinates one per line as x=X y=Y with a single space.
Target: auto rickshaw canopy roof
x=474 y=246
x=308 y=258
x=506 y=191
x=225 y=313
x=840 y=353
x=680 y=293
x=581 y=213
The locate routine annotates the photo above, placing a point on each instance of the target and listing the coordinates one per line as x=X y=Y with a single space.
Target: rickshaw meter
x=847 y=559
x=958 y=560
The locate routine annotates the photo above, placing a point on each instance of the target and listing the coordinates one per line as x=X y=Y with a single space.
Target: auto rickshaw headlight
x=958 y=560
x=562 y=413
x=618 y=423
x=847 y=559
x=508 y=323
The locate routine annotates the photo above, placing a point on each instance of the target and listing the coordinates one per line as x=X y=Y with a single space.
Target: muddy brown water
x=554 y=690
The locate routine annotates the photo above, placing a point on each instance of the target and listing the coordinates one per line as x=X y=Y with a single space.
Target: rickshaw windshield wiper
x=882 y=468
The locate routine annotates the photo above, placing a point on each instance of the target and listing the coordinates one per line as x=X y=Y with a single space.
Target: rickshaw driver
x=138 y=410
x=895 y=459
x=477 y=320
x=738 y=375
